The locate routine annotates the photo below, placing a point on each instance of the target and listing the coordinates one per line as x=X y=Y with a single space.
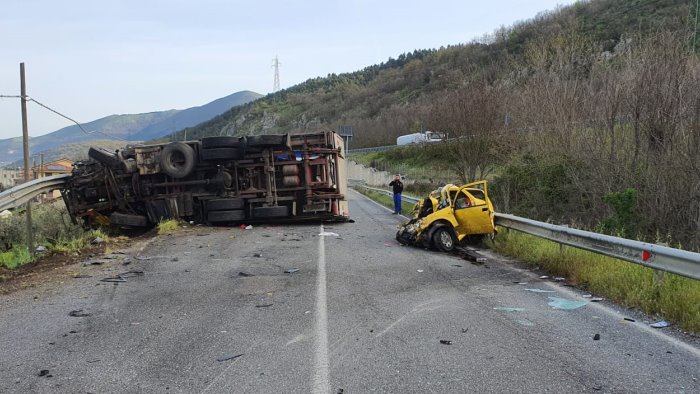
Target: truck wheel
x=221 y=154
x=224 y=204
x=443 y=239
x=221 y=142
x=225 y=216
x=107 y=158
x=274 y=141
x=177 y=159
x=271 y=212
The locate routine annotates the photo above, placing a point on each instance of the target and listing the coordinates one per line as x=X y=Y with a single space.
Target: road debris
x=97 y=240
x=629 y=319
x=78 y=313
x=327 y=234
x=445 y=342
x=564 y=304
x=559 y=279
x=596 y=337
x=291 y=270
x=660 y=324
x=419 y=270
x=525 y=322
x=540 y=291
x=46 y=373
x=508 y=309
x=122 y=277
x=92 y=262
x=457 y=265
x=81 y=276
x=544 y=277
x=245 y=274
x=464 y=330
x=263 y=306
x=228 y=357
x=257 y=255
x=175 y=259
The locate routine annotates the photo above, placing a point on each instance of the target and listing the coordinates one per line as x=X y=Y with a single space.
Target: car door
x=473 y=210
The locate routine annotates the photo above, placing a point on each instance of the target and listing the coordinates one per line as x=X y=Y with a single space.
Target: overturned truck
x=214 y=180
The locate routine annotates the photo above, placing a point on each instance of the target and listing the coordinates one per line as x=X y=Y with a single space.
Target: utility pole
x=25 y=146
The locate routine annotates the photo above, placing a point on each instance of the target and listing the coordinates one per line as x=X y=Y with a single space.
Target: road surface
x=361 y=314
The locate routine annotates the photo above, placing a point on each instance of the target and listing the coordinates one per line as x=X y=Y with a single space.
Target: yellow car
x=449 y=216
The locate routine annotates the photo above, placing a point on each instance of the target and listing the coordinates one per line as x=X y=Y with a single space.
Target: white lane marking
x=321 y=383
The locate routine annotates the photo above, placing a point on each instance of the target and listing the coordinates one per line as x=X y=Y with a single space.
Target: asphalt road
x=361 y=314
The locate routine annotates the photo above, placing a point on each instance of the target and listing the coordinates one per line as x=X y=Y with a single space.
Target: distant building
x=56 y=167
x=8 y=178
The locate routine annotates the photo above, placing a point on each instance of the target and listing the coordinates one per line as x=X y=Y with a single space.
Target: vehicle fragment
x=450 y=216
x=215 y=180
x=596 y=337
x=564 y=304
x=525 y=322
x=263 y=305
x=291 y=270
x=78 y=313
x=508 y=309
x=629 y=319
x=228 y=357
x=540 y=291
x=45 y=373
x=245 y=274
x=660 y=324
x=445 y=342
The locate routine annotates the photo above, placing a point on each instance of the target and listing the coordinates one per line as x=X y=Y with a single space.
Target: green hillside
x=586 y=115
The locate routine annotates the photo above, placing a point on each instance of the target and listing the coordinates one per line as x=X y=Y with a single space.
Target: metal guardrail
x=18 y=195
x=654 y=256
x=372 y=149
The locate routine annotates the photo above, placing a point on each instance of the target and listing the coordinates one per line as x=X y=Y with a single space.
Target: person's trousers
x=397 y=203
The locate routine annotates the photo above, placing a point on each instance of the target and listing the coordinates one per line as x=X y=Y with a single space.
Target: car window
x=462 y=201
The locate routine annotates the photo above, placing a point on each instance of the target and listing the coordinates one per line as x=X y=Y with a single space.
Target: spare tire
x=105 y=157
x=270 y=212
x=177 y=159
x=225 y=216
x=221 y=142
x=221 y=154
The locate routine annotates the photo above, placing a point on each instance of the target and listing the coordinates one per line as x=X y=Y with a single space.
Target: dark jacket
x=397 y=185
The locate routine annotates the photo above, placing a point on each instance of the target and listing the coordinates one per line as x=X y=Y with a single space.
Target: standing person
x=398 y=188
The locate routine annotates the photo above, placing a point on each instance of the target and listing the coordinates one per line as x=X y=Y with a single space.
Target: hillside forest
x=587 y=114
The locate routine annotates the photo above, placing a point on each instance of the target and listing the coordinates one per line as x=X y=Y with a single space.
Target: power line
x=65 y=116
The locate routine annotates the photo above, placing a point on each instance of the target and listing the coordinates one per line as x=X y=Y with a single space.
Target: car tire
x=212 y=154
x=444 y=239
x=221 y=142
x=270 y=212
x=225 y=204
x=177 y=159
x=225 y=216
x=102 y=156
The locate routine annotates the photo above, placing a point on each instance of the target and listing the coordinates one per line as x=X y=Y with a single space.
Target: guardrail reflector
x=645 y=255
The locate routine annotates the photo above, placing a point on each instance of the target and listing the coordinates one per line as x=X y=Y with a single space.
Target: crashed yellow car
x=450 y=216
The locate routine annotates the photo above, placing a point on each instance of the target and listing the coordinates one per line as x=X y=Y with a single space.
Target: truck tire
x=225 y=216
x=444 y=239
x=109 y=159
x=221 y=154
x=225 y=204
x=274 y=141
x=270 y=212
x=177 y=159
x=123 y=219
x=221 y=142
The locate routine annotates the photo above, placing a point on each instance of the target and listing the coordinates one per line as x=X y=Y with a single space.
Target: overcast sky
x=90 y=59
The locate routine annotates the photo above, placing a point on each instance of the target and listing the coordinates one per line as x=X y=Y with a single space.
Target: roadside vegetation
x=669 y=296
x=53 y=230
x=167 y=226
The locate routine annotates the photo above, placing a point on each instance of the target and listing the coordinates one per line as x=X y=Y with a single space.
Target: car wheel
x=177 y=159
x=443 y=239
x=225 y=216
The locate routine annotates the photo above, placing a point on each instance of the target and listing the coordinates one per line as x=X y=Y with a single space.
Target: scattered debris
x=257 y=255
x=229 y=357
x=660 y=324
x=587 y=296
x=327 y=234
x=78 y=313
x=540 y=291
x=525 y=322
x=80 y=276
x=508 y=309
x=291 y=270
x=263 y=306
x=97 y=240
x=464 y=330
x=122 y=277
x=629 y=319
x=445 y=342
x=40 y=249
x=457 y=265
x=559 y=279
x=45 y=372
x=597 y=388
x=419 y=270
x=544 y=277
x=245 y=274
x=597 y=299
x=596 y=337
x=85 y=264
x=174 y=259
x=564 y=304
